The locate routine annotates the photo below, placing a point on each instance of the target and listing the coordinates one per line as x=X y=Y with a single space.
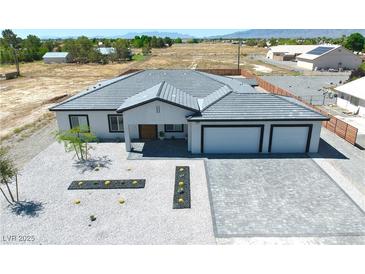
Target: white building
x=328 y=57
x=287 y=52
x=106 y=50
x=351 y=96
x=214 y=114
x=56 y=57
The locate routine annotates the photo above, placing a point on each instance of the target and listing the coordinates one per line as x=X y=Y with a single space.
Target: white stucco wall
x=98 y=121
x=305 y=65
x=345 y=104
x=196 y=133
x=158 y=113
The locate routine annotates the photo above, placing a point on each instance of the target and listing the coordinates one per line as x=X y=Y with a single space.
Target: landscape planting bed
x=182 y=188
x=107 y=184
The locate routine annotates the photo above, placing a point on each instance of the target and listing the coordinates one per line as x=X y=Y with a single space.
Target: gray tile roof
x=256 y=106
x=212 y=97
x=163 y=92
x=237 y=84
x=110 y=95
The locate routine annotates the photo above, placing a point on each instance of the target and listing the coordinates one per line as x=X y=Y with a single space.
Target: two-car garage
x=269 y=138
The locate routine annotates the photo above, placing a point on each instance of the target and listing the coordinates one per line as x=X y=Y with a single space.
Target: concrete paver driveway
x=279 y=197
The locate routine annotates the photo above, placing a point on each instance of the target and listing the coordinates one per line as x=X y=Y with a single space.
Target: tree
x=178 y=41
x=154 y=42
x=146 y=50
x=77 y=139
x=8 y=172
x=94 y=56
x=355 y=42
x=137 y=42
x=122 y=50
x=273 y=42
x=12 y=41
x=32 y=48
x=167 y=41
x=357 y=73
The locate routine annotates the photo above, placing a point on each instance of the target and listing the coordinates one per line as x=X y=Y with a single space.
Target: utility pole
x=238 y=55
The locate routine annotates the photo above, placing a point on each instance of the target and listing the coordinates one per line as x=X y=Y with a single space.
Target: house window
x=354 y=101
x=174 y=128
x=115 y=123
x=80 y=121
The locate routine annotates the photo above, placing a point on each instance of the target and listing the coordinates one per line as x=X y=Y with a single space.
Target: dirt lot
x=26 y=99
x=208 y=55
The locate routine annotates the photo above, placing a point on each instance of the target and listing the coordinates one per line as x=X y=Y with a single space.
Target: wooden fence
x=337 y=126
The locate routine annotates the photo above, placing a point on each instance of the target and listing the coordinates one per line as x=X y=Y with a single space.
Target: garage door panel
x=231 y=139
x=289 y=139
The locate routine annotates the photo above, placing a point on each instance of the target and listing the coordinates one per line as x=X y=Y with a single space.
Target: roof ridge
x=77 y=96
x=215 y=101
x=160 y=88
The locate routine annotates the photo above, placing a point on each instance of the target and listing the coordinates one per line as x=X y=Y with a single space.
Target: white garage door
x=289 y=139
x=231 y=139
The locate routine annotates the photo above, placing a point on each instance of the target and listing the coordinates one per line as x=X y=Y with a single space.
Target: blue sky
x=61 y=33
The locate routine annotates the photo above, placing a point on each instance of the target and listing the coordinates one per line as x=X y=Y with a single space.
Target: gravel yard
x=146 y=217
x=310 y=88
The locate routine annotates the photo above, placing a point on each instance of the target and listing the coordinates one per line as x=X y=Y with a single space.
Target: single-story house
x=328 y=57
x=56 y=57
x=351 y=96
x=106 y=50
x=214 y=114
x=287 y=52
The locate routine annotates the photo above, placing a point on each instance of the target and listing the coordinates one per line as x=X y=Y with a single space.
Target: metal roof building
x=328 y=57
x=56 y=57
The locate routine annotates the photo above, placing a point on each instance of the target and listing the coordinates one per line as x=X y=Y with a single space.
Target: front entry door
x=148 y=132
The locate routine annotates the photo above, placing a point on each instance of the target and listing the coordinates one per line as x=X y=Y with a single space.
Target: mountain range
x=290 y=33
x=172 y=35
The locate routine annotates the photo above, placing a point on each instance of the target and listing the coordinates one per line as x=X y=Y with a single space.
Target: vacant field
x=25 y=101
x=208 y=55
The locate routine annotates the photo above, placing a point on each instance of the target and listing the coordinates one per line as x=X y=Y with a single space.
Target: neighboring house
x=351 y=96
x=287 y=52
x=215 y=114
x=328 y=57
x=57 y=57
x=106 y=51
